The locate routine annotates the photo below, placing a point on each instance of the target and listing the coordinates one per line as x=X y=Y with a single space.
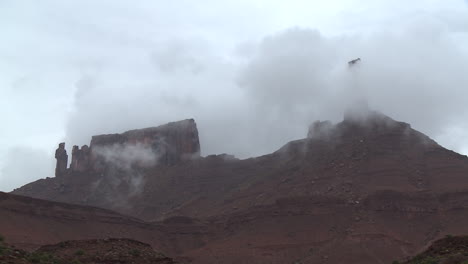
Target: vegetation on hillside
x=121 y=251
x=449 y=250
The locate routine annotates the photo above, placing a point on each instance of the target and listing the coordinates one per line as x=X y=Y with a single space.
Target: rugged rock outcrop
x=170 y=143
x=370 y=186
x=62 y=160
x=163 y=145
x=80 y=159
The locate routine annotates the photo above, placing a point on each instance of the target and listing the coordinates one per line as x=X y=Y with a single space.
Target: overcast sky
x=253 y=73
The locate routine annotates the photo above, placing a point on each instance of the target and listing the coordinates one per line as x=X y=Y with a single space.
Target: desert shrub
x=3 y=249
x=79 y=252
x=42 y=258
x=75 y=261
x=395 y=262
x=34 y=258
x=425 y=260
x=135 y=252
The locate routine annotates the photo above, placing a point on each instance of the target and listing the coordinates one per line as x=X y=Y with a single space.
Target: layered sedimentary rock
x=167 y=144
x=163 y=145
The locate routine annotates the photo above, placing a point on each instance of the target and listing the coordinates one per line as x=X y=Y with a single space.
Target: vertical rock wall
x=170 y=144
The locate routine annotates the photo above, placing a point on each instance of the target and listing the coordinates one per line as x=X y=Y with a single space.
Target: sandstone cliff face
x=170 y=143
x=163 y=145
x=80 y=158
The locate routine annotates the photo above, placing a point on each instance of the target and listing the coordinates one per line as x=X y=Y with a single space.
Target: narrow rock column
x=80 y=159
x=62 y=160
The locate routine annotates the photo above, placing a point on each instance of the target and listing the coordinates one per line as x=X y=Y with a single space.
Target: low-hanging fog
x=253 y=75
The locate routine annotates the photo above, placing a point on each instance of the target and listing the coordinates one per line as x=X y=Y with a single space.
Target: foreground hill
x=29 y=223
x=122 y=251
x=370 y=186
x=450 y=250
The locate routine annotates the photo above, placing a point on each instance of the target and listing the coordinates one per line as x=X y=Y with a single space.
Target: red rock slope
x=29 y=223
x=371 y=187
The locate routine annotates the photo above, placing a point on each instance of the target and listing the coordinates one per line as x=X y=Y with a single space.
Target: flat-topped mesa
x=163 y=145
x=169 y=144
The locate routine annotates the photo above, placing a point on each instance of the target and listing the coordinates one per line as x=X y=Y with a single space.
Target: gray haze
x=253 y=74
x=124 y=157
x=123 y=160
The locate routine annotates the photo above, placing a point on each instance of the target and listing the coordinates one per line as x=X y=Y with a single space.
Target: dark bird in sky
x=353 y=62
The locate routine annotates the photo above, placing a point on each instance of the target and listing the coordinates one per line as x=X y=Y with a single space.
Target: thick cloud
x=417 y=76
x=253 y=104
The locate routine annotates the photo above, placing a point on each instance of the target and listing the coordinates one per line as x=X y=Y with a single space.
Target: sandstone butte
x=366 y=190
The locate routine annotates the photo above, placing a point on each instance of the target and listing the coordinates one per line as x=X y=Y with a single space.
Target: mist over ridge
x=289 y=80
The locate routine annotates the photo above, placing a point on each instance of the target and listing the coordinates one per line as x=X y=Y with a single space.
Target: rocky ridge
x=369 y=185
